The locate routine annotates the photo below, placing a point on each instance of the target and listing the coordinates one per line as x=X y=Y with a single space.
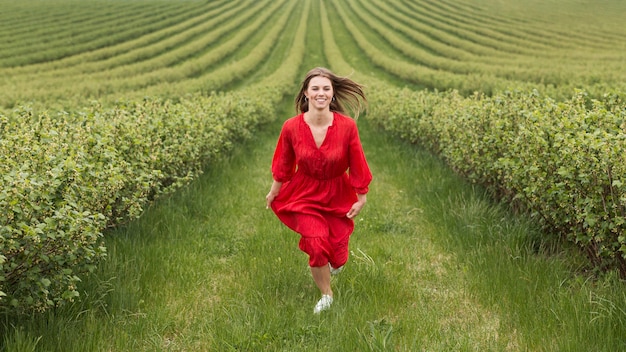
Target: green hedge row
x=67 y=177
x=564 y=162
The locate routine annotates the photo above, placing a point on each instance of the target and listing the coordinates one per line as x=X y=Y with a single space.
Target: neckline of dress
x=332 y=123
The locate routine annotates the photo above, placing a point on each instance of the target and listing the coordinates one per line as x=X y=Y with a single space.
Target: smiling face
x=319 y=93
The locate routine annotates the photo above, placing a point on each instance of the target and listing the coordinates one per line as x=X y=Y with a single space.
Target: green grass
x=434 y=266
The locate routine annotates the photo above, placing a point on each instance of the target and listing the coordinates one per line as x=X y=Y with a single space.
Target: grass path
x=247 y=287
x=435 y=266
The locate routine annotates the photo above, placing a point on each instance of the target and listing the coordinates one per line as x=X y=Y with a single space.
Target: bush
x=67 y=177
x=564 y=162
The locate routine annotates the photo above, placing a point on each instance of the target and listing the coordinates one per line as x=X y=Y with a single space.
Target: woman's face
x=320 y=93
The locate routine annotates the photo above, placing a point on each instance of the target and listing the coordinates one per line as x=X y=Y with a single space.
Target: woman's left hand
x=356 y=207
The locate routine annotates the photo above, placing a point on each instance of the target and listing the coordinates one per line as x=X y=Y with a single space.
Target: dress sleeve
x=360 y=174
x=284 y=160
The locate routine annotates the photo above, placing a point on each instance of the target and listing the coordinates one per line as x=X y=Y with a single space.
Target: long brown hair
x=347 y=93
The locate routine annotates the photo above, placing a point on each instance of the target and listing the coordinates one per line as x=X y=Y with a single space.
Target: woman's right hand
x=269 y=198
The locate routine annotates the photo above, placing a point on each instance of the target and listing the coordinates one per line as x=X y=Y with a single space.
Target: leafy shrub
x=67 y=177
x=564 y=162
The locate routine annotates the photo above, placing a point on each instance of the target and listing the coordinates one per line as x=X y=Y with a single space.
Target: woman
x=320 y=173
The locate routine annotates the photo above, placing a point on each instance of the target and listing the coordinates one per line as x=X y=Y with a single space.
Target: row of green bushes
x=471 y=79
x=171 y=72
x=158 y=42
x=564 y=162
x=67 y=177
x=67 y=36
x=277 y=16
x=539 y=70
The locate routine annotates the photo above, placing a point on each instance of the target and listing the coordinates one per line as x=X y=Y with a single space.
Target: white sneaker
x=335 y=271
x=323 y=304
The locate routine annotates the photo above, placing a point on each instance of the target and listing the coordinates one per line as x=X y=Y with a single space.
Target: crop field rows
x=66 y=51
x=200 y=58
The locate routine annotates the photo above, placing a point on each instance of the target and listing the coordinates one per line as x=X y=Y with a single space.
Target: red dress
x=320 y=185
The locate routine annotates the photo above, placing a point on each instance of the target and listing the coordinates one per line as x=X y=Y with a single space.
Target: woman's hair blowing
x=347 y=93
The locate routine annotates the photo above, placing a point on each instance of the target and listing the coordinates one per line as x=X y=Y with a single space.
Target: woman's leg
x=318 y=250
x=321 y=276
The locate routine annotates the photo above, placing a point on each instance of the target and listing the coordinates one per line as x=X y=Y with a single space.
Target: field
x=81 y=50
x=135 y=138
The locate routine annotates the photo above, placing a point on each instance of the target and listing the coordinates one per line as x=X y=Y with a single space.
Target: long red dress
x=320 y=185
